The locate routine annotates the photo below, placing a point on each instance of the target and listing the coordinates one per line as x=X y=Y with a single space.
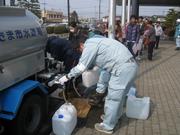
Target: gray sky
x=89 y=8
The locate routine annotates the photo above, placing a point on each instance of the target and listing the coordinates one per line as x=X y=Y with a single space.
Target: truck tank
x=22 y=43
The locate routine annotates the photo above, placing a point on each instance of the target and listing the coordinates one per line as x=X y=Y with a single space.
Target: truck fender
x=11 y=98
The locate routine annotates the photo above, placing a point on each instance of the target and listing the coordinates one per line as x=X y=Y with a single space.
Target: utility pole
x=44 y=4
x=44 y=11
x=96 y=13
x=99 y=10
x=68 y=7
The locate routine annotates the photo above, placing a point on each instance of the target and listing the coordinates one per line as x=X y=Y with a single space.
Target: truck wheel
x=29 y=118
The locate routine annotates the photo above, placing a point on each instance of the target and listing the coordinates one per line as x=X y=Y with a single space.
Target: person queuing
x=124 y=28
x=114 y=58
x=132 y=34
x=105 y=29
x=145 y=38
x=74 y=31
x=159 y=32
x=118 y=31
x=141 y=31
x=141 y=25
x=177 y=34
x=151 y=39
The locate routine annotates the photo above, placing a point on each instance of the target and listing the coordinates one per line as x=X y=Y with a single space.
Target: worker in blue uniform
x=102 y=85
x=104 y=76
x=113 y=57
x=177 y=34
x=63 y=50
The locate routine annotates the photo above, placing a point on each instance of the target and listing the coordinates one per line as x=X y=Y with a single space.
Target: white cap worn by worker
x=178 y=20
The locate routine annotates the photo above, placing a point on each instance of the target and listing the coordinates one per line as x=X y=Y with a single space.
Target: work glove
x=62 y=80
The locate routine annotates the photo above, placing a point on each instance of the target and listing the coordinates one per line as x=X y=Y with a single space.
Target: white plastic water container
x=64 y=120
x=138 y=108
x=90 y=77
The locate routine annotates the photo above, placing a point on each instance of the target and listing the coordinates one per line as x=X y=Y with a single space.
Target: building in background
x=2 y=2
x=65 y=19
x=12 y=2
x=161 y=19
x=106 y=18
x=52 y=16
x=8 y=2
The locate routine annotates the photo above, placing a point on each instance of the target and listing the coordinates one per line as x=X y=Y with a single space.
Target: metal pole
x=123 y=17
x=129 y=11
x=68 y=6
x=112 y=15
x=2 y=3
x=44 y=6
x=135 y=7
x=99 y=10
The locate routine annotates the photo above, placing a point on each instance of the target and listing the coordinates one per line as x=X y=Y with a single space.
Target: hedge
x=50 y=30
x=57 y=30
x=171 y=33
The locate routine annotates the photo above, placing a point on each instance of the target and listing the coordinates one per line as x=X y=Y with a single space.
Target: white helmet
x=178 y=20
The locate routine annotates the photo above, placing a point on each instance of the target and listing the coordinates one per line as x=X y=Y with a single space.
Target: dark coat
x=62 y=50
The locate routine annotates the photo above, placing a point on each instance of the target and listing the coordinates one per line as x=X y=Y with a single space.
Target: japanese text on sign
x=20 y=34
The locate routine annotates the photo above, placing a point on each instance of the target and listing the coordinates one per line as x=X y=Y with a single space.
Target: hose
x=51 y=83
x=75 y=89
x=64 y=94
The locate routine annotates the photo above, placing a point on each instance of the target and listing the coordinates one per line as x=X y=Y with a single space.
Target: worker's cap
x=178 y=20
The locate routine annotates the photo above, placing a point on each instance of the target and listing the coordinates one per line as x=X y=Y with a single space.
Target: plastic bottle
x=64 y=120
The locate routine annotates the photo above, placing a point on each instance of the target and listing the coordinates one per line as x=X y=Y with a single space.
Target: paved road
x=160 y=80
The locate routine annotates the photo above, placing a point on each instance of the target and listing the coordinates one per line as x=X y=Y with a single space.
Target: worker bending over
x=113 y=57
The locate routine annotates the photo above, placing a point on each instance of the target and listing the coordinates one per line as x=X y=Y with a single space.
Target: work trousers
x=157 y=41
x=118 y=87
x=150 y=49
